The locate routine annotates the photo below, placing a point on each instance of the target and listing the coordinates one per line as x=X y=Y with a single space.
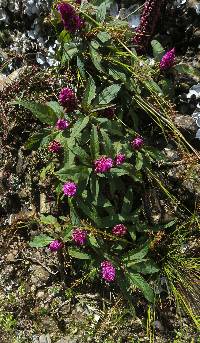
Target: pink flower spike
x=68 y=99
x=168 y=60
x=103 y=164
x=62 y=124
x=79 y=236
x=119 y=230
x=55 y=245
x=70 y=188
x=119 y=159
x=108 y=271
x=54 y=146
x=137 y=143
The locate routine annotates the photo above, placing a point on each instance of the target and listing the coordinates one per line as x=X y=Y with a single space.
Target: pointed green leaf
x=41 y=111
x=76 y=253
x=90 y=91
x=127 y=202
x=136 y=254
x=138 y=281
x=40 y=241
x=94 y=143
x=107 y=95
x=158 y=50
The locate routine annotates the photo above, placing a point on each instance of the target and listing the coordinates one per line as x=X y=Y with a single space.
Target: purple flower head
x=137 y=143
x=103 y=164
x=148 y=22
x=119 y=230
x=67 y=99
x=71 y=21
x=108 y=271
x=55 y=245
x=62 y=124
x=70 y=189
x=119 y=159
x=54 y=146
x=79 y=236
x=168 y=60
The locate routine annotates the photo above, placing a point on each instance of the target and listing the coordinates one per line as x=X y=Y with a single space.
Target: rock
x=186 y=123
x=39 y=275
x=12 y=256
x=171 y=154
x=44 y=339
x=158 y=325
x=67 y=340
x=44 y=204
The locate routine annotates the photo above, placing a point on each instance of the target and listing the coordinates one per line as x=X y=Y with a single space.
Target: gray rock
x=186 y=123
x=45 y=339
x=39 y=275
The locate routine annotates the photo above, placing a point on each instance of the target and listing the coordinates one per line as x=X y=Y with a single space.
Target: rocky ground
x=29 y=310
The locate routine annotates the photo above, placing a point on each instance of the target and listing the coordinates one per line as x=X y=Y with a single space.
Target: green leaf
x=96 y=58
x=81 y=67
x=75 y=173
x=76 y=253
x=67 y=233
x=49 y=220
x=90 y=91
x=117 y=74
x=107 y=144
x=104 y=36
x=101 y=13
x=33 y=142
x=94 y=143
x=127 y=202
x=124 y=285
x=79 y=126
x=55 y=106
x=139 y=161
x=183 y=68
x=48 y=169
x=40 y=241
x=136 y=254
x=146 y=267
x=94 y=188
x=138 y=281
x=74 y=217
x=107 y=95
x=158 y=50
x=41 y=111
x=69 y=51
x=153 y=86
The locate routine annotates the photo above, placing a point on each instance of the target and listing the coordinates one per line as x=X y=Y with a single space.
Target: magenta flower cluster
x=79 y=236
x=149 y=19
x=70 y=188
x=167 y=60
x=119 y=230
x=62 y=124
x=108 y=271
x=119 y=159
x=54 y=146
x=68 y=99
x=55 y=245
x=71 y=20
x=137 y=143
x=103 y=164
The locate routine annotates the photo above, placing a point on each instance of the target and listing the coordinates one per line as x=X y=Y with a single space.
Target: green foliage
x=108 y=75
x=41 y=111
x=40 y=241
